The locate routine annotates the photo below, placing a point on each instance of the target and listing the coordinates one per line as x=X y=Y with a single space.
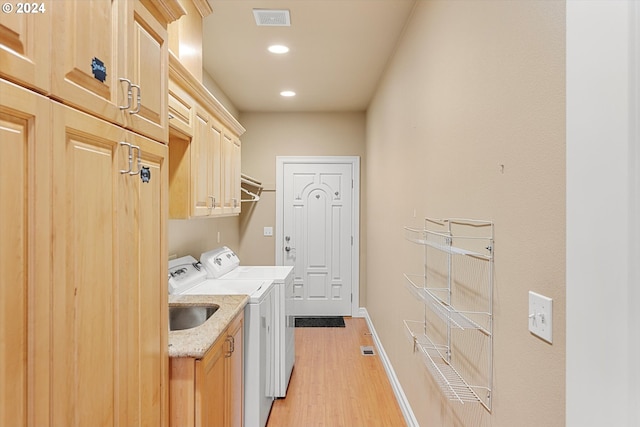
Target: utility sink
x=187 y=317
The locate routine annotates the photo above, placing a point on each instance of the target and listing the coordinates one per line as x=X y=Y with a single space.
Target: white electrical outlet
x=268 y=231
x=541 y=316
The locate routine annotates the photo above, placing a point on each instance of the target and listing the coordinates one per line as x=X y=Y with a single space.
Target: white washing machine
x=187 y=277
x=223 y=264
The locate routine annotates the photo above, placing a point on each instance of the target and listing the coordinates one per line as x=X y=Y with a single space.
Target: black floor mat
x=320 y=322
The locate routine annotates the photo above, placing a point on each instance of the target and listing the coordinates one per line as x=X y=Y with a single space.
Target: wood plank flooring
x=334 y=385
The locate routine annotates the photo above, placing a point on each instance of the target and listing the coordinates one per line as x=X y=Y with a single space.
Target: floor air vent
x=367 y=350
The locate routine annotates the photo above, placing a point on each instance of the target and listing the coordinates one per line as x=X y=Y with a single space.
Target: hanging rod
x=246 y=179
x=255 y=196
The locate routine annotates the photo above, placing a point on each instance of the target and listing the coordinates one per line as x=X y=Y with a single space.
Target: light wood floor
x=333 y=385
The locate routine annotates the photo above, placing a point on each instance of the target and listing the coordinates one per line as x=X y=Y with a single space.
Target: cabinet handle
x=131 y=172
x=130 y=157
x=129 y=94
x=213 y=202
x=228 y=353
x=138 y=99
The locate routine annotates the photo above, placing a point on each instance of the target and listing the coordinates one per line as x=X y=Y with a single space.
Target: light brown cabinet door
x=109 y=299
x=24 y=256
x=87 y=57
x=147 y=66
x=231 y=173
x=235 y=374
x=25 y=43
x=142 y=294
x=84 y=322
x=211 y=395
x=110 y=59
x=213 y=390
x=206 y=161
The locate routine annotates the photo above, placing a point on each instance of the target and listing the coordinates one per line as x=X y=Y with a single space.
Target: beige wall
x=289 y=134
x=194 y=236
x=469 y=122
x=269 y=135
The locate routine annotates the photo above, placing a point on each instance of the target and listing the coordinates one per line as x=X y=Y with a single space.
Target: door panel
x=148 y=64
x=85 y=285
x=14 y=146
x=25 y=47
x=141 y=301
x=86 y=42
x=152 y=309
x=25 y=256
x=318 y=223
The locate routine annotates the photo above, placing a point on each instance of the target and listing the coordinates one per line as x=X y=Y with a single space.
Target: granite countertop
x=196 y=341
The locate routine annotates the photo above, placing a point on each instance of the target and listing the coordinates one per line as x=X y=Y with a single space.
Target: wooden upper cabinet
x=204 y=151
x=87 y=60
x=147 y=67
x=25 y=45
x=231 y=176
x=181 y=106
x=110 y=58
x=206 y=163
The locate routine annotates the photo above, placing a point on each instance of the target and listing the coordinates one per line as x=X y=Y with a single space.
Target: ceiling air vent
x=272 y=17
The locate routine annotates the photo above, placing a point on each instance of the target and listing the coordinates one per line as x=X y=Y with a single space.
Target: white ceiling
x=339 y=50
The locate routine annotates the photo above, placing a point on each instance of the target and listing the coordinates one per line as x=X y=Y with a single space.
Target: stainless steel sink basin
x=187 y=317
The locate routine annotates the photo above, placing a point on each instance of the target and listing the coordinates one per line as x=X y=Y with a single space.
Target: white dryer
x=187 y=277
x=222 y=263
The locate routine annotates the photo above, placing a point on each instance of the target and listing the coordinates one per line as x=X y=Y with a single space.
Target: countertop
x=196 y=341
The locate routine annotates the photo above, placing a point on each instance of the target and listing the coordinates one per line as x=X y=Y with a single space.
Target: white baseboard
x=393 y=379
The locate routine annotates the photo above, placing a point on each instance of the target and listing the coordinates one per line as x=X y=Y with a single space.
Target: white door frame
x=354 y=161
x=603 y=187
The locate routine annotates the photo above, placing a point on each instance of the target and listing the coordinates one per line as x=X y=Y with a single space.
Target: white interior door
x=318 y=211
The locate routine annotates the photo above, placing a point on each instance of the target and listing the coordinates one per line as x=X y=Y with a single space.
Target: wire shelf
x=434 y=357
x=416 y=334
x=458 y=319
x=458 y=260
x=451 y=383
x=442 y=241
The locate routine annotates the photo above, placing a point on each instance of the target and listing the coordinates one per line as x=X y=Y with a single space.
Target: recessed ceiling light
x=287 y=93
x=278 y=48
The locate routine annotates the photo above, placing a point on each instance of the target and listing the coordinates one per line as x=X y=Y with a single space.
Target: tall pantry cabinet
x=83 y=306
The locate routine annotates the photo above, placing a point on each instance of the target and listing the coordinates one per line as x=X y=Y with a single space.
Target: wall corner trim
x=405 y=407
